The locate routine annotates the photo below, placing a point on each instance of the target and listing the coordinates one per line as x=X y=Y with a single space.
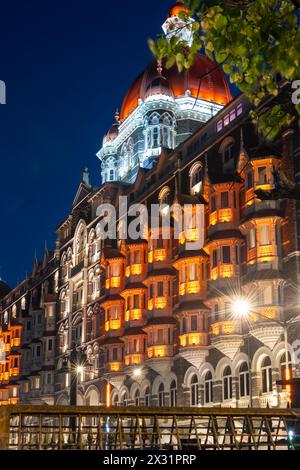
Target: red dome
x=178 y=8
x=214 y=86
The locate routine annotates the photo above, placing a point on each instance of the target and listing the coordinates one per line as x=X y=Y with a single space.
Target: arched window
x=124 y=399
x=194 y=391
x=173 y=394
x=156 y=140
x=147 y=396
x=244 y=380
x=196 y=177
x=115 y=400
x=266 y=375
x=137 y=398
x=286 y=372
x=161 y=396
x=208 y=388
x=227 y=384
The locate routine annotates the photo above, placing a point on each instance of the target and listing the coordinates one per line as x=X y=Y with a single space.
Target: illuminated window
x=268 y=295
x=251 y=238
x=208 y=388
x=239 y=109
x=193 y=272
x=136 y=301
x=283 y=368
x=266 y=375
x=115 y=313
x=219 y=125
x=183 y=273
x=264 y=232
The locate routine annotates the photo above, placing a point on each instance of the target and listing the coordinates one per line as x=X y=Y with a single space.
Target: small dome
x=177 y=9
x=4 y=289
x=159 y=86
x=112 y=133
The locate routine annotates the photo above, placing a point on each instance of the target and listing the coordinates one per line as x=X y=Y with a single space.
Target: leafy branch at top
x=254 y=41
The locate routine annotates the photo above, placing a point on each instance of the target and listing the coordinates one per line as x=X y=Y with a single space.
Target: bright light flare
x=137 y=373
x=241 y=308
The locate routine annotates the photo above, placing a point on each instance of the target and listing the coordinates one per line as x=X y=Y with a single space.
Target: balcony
x=157 y=255
x=115 y=366
x=220 y=216
x=267 y=313
x=134 y=359
x=156 y=352
x=16 y=342
x=133 y=314
x=193 y=287
x=188 y=340
x=225 y=327
x=222 y=271
x=112 y=325
x=261 y=254
x=158 y=303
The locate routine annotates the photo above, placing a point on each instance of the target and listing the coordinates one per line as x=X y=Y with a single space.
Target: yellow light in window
x=127 y=271
x=136 y=269
x=193 y=287
x=225 y=215
x=160 y=255
x=115 y=366
x=127 y=315
x=150 y=257
x=160 y=302
x=226 y=270
x=115 y=281
x=182 y=288
x=213 y=218
x=150 y=304
x=136 y=314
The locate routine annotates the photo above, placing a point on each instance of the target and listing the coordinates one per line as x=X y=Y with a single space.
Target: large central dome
x=213 y=87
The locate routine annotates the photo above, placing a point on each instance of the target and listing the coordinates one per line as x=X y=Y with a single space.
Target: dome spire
x=177 y=26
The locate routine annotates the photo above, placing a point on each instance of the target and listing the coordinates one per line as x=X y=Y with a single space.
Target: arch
x=228 y=141
x=157 y=381
x=191 y=371
x=279 y=350
x=258 y=357
x=133 y=389
x=62 y=400
x=164 y=195
x=222 y=364
x=92 y=396
x=114 y=397
x=206 y=366
x=169 y=379
x=237 y=361
x=80 y=241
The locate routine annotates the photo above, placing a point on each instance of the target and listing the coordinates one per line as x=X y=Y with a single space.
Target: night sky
x=67 y=66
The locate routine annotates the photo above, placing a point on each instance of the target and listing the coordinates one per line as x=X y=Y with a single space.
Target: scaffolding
x=116 y=428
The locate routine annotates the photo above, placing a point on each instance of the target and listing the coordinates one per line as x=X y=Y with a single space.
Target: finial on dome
x=117 y=116
x=159 y=67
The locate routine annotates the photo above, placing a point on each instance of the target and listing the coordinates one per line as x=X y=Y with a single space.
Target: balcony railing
x=117 y=428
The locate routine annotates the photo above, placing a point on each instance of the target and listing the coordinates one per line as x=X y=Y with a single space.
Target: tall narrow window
x=208 y=388
x=160 y=289
x=244 y=380
x=226 y=254
x=194 y=391
x=213 y=203
x=227 y=384
x=193 y=272
x=173 y=394
x=266 y=375
x=251 y=238
x=194 y=323
x=262 y=175
x=264 y=234
x=224 y=200
x=215 y=259
x=161 y=396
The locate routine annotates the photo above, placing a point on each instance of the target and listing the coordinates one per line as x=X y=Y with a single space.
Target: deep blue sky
x=67 y=65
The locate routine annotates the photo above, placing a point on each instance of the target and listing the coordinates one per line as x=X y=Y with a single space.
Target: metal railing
x=93 y=428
